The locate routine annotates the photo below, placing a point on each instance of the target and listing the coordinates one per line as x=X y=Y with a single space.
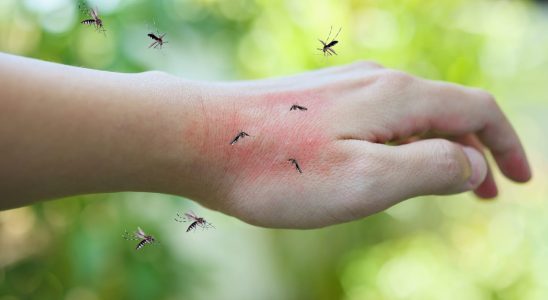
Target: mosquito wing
x=140 y=233
x=94 y=12
x=191 y=215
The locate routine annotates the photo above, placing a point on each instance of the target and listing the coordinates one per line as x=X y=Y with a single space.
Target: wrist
x=163 y=159
x=184 y=126
x=196 y=123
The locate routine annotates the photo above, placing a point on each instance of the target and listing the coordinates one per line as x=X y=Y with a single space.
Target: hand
x=67 y=131
x=340 y=143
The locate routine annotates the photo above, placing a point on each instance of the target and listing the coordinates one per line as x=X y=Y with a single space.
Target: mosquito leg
x=180 y=218
x=330 y=28
x=337 y=34
x=128 y=237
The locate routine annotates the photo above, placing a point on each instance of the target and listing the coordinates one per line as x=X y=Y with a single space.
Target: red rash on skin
x=276 y=135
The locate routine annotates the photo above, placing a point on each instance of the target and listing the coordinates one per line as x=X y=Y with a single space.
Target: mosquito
x=195 y=221
x=327 y=48
x=294 y=162
x=158 y=39
x=95 y=20
x=241 y=134
x=141 y=236
x=296 y=106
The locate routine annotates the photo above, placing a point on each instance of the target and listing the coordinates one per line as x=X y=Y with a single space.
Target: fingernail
x=478 y=167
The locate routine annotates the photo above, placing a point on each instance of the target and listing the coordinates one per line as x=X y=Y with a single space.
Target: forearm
x=66 y=131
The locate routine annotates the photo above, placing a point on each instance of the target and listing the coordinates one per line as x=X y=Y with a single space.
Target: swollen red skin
x=276 y=135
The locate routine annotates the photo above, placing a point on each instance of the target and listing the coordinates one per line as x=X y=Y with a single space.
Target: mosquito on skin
x=140 y=236
x=95 y=20
x=240 y=135
x=327 y=48
x=296 y=164
x=194 y=219
x=296 y=106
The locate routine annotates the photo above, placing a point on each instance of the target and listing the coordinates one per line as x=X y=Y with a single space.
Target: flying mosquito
x=296 y=106
x=141 y=236
x=327 y=48
x=95 y=20
x=195 y=221
x=241 y=134
x=158 y=39
x=294 y=162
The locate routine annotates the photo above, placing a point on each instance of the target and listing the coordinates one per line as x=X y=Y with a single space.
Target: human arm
x=67 y=130
x=106 y=132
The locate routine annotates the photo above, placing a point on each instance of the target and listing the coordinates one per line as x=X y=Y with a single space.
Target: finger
x=488 y=188
x=425 y=167
x=483 y=115
x=417 y=106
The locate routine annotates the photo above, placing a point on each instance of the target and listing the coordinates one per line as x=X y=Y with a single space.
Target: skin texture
x=371 y=137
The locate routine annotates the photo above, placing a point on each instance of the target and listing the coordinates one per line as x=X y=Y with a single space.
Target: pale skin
x=370 y=138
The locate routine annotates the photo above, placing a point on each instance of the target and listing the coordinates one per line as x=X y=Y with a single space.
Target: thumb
x=435 y=166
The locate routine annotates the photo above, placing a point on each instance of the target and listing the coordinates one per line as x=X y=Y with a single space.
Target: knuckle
x=395 y=79
x=486 y=98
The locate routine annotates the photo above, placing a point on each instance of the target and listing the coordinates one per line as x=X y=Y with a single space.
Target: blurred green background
x=428 y=248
